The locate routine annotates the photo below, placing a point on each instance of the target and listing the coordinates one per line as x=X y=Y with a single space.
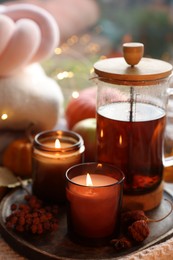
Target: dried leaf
x=8 y=179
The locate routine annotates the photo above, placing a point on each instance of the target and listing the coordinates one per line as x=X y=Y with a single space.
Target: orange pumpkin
x=18 y=157
x=82 y=107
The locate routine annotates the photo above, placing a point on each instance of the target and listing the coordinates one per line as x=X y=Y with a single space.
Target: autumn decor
x=17 y=157
x=135 y=228
x=33 y=216
x=87 y=129
x=82 y=107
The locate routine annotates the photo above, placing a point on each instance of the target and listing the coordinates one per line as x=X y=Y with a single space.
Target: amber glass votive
x=93 y=206
x=53 y=153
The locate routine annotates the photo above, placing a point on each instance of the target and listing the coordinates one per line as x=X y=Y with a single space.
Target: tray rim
x=26 y=246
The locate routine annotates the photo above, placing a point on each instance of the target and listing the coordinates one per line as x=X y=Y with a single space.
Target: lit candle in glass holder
x=94 y=195
x=53 y=153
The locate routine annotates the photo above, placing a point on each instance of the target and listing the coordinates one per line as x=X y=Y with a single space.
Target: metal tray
x=57 y=245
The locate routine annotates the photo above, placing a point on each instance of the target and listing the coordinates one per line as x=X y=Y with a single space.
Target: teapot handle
x=168 y=161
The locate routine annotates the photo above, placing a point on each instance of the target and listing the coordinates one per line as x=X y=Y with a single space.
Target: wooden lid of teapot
x=132 y=68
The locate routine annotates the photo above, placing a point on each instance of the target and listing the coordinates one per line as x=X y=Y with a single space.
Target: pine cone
x=139 y=230
x=121 y=244
x=131 y=216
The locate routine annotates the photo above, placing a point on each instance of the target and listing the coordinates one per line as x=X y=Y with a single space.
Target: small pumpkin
x=30 y=96
x=17 y=157
x=82 y=107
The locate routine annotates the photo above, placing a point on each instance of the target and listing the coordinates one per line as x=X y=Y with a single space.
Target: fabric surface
x=163 y=251
x=7 y=253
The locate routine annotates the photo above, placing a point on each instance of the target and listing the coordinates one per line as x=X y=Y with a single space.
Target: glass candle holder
x=93 y=206
x=53 y=153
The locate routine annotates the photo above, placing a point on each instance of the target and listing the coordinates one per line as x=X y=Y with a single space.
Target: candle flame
x=57 y=143
x=88 y=180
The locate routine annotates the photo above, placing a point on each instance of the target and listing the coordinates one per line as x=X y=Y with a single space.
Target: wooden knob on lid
x=133 y=52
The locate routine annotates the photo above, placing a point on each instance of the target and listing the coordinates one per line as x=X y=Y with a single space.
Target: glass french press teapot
x=131 y=117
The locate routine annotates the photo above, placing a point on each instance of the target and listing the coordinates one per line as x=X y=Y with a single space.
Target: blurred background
x=146 y=21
